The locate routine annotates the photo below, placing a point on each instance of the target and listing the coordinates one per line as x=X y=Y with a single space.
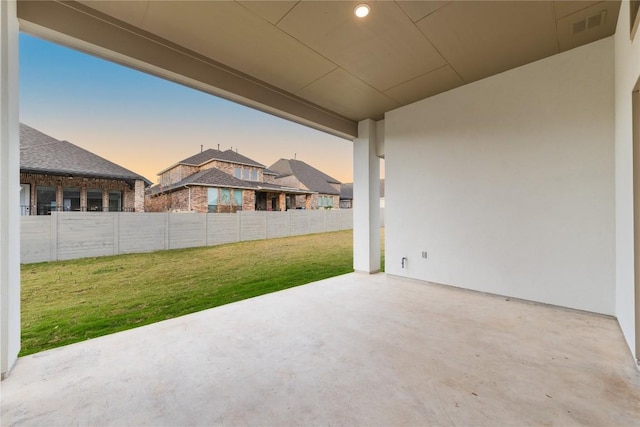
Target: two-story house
x=222 y=181
x=298 y=174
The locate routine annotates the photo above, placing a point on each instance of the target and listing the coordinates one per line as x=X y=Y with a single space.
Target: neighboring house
x=296 y=173
x=222 y=181
x=60 y=176
x=346 y=195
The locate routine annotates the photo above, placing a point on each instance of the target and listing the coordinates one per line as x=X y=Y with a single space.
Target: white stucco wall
x=508 y=183
x=627 y=72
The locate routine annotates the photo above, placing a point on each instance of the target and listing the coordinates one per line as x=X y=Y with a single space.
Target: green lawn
x=70 y=301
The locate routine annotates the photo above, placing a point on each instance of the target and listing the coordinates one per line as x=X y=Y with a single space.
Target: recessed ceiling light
x=361 y=10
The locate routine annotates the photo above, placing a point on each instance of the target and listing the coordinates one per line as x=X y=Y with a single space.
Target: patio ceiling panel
x=231 y=34
x=272 y=11
x=384 y=50
x=480 y=39
x=314 y=62
x=357 y=99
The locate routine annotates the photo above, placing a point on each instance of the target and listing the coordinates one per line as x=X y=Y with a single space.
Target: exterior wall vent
x=589 y=22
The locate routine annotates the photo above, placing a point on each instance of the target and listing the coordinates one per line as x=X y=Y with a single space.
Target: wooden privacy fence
x=70 y=235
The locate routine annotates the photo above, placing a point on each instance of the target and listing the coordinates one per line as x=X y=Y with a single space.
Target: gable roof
x=216 y=178
x=312 y=178
x=41 y=153
x=211 y=154
x=346 y=190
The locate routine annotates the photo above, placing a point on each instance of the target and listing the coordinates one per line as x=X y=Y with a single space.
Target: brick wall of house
x=290 y=181
x=176 y=174
x=138 y=200
x=269 y=179
x=174 y=201
x=179 y=200
x=249 y=200
x=199 y=200
x=129 y=195
x=230 y=168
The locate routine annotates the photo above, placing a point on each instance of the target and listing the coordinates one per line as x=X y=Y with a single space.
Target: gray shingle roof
x=41 y=153
x=216 y=178
x=227 y=155
x=346 y=190
x=312 y=178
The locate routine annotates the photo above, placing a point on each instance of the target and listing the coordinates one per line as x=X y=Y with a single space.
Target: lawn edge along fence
x=72 y=235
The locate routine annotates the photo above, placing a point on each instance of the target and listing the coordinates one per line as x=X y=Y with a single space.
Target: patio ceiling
x=314 y=62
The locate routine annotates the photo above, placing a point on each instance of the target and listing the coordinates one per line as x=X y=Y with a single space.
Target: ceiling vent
x=589 y=22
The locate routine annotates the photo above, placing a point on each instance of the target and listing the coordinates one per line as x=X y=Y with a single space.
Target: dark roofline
x=129 y=180
x=258 y=188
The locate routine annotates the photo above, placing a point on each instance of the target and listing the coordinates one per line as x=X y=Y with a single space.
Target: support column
x=366 y=200
x=9 y=189
x=282 y=202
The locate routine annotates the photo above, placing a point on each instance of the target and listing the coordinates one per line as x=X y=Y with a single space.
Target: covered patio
x=352 y=350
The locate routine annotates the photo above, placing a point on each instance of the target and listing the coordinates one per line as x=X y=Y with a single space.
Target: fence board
x=277 y=224
x=299 y=224
x=83 y=235
x=142 y=232
x=187 y=230
x=223 y=228
x=253 y=225
x=317 y=221
x=69 y=235
x=35 y=239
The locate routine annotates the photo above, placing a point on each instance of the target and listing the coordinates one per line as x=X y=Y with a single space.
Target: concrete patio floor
x=352 y=350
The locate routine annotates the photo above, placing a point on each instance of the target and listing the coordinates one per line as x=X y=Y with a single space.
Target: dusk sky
x=146 y=124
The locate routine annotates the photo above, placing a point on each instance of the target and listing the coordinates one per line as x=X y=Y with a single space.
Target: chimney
x=201 y=148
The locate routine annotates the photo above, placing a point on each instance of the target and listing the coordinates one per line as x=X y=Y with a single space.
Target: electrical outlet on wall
x=424 y=254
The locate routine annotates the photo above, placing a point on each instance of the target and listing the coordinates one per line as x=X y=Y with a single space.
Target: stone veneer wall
x=179 y=200
x=176 y=174
x=230 y=168
x=131 y=198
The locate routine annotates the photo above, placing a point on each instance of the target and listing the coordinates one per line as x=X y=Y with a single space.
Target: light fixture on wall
x=361 y=10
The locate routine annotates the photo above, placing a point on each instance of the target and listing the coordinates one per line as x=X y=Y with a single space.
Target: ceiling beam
x=79 y=27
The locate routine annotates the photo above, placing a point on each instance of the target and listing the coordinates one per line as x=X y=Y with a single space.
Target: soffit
x=316 y=53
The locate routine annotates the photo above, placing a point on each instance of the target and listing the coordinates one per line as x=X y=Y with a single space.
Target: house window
x=237 y=198
x=245 y=173
x=329 y=201
x=212 y=199
x=225 y=196
x=320 y=201
x=94 y=200
x=115 y=201
x=71 y=199
x=45 y=199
